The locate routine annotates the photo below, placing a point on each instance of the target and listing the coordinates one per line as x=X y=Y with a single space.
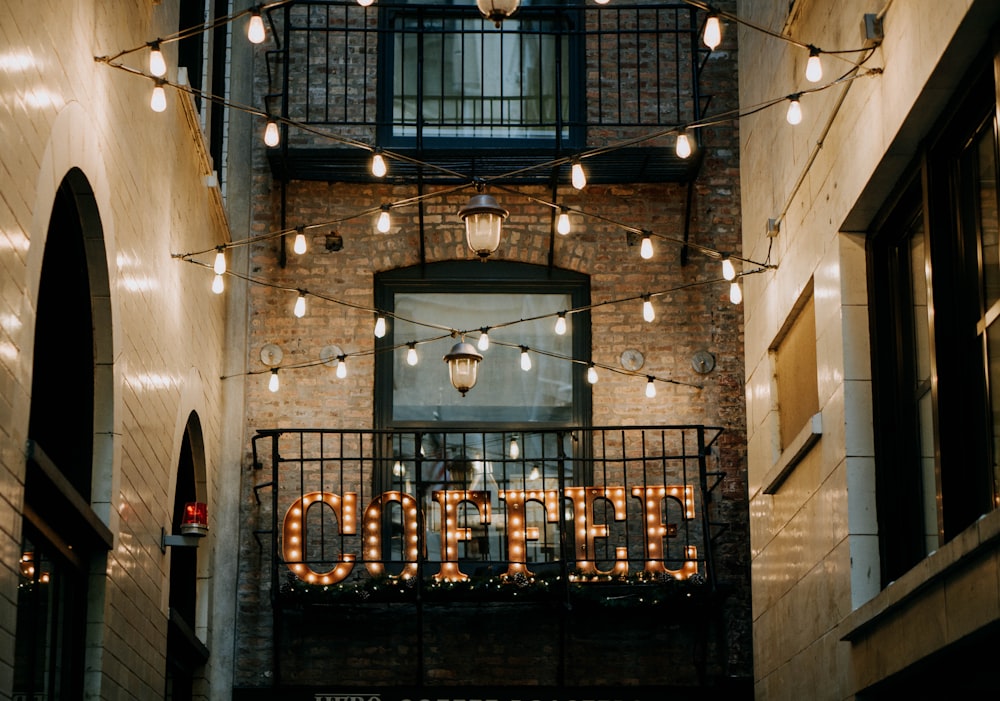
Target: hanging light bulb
x=273 y=384
x=384 y=222
x=794 y=115
x=602 y=2
x=379 y=168
x=814 y=67
x=735 y=292
x=579 y=176
x=713 y=32
x=683 y=145
x=483 y=218
x=158 y=100
x=255 y=30
x=484 y=339
x=728 y=271
x=497 y=10
x=592 y=374
x=463 y=366
x=380 y=326
x=341 y=366
x=365 y=3
x=650 y=387
x=218 y=284
x=299 y=245
x=300 y=305
x=514 y=450
x=562 y=223
x=157 y=64
x=525 y=359
x=648 y=313
x=646 y=247
x=398 y=468
x=411 y=354
x=272 y=135
x=561 y=324
x=220 y=261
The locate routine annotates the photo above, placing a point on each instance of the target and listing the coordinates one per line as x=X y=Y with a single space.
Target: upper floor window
x=452 y=75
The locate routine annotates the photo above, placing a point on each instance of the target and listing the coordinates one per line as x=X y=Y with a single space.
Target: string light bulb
x=157 y=64
x=341 y=366
x=650 y=387
x=646 y=247
x=794 y=115
x=219 y=267
x=255 y=30
x=562 y=223
x=592 y=374
x=272 y=136
x=648 y=313
x=384 y=222
x=411 y=354
x=218 y=284
x=735 y=292
x=728 y=270
x=158 y=100
x=713 y=32
x=299 y=246
x=300 y=305
x=525 y=359
x=365 y=3
x=274 y=383
x=561 y=324
x=484 y=339
x=579 y=177
x=379 y=167
x=380 y=326
x=514 y=450
x=683 y=145
x=814 y=67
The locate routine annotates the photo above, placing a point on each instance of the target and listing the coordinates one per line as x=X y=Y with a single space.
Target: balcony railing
x=441 y=84
x=496 y=512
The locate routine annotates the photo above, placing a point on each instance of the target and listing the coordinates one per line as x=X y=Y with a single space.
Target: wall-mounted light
x=483 y=218
x=463 y=366
x=194 y=527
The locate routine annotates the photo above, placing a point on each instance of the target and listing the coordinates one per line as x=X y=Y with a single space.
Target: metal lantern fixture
x=497 y=10
x=463 y=365
x=483 y=218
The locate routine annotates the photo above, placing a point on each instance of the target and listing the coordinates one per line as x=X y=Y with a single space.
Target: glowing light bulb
x=650 y=388
x=561 y=324
x=220 y=263
x=411 y=355
x=384 y=223
x=218 y=284
x=794 y=115
x=728 y=271
x=525 y=359
x=646 y=248
x=379 y=168
x=484 y=340
x=515 y=450
x=592 y=374
x=562 y=223
x=648 y=313
x=713 y=32
x=255 y=30
x=157 y=64
x=299 y=246
x=579 y=177
x=735 y=292
x=300 y=305
x=398 y=469
x=814 y=67
x=683 y=145
x=158 y=100
x=272 y=136
x=365 y=3
x=380 y=327
x=274 y=384
x=342 y=367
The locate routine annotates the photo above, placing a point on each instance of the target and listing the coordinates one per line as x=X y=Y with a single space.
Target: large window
x=454 y=75
x=935 y=288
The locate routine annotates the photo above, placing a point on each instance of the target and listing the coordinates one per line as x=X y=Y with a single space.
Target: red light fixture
x=195 y=519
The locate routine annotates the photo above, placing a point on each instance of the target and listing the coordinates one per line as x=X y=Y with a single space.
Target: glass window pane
x=986 y=191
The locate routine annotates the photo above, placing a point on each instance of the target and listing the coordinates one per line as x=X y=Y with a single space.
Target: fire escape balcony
x=456 y=99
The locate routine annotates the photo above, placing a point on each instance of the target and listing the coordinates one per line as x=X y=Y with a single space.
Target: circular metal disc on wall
x=271 y=355
x=329 y=355
x=703 y=362
x=632 y=360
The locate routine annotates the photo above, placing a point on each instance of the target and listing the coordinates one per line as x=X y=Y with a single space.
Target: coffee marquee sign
x=583 y=499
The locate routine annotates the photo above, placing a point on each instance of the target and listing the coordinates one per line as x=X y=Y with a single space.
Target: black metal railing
x=349 y=508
